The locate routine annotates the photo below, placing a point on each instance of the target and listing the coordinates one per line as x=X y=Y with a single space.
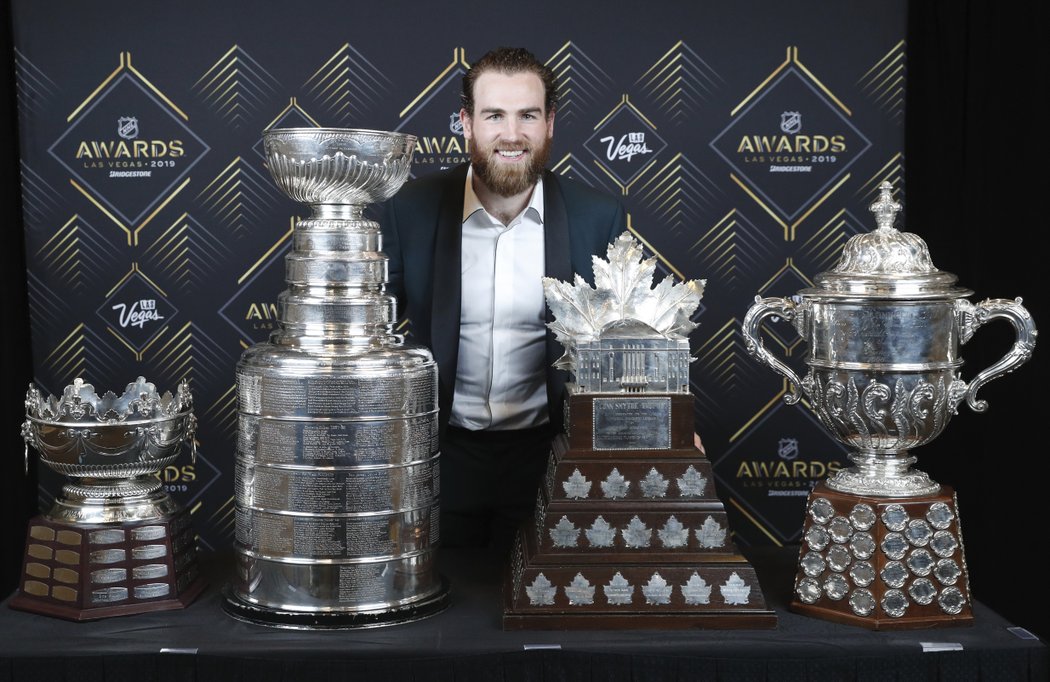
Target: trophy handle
x=763 y=308
x=191 y=432
x=971 y=317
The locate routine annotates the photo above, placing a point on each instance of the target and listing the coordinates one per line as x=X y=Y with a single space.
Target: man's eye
x=494 y=117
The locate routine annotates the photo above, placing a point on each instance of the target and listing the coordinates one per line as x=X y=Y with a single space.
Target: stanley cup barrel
x=337 y=460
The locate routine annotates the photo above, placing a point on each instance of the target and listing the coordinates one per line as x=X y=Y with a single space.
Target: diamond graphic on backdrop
x=772 y=490
x=625 y=143
x=433 y=118
x=136 y=310
x=129 y=147
x=291 y=117
x=252 y=310
x=791 y=143
x=785 y=334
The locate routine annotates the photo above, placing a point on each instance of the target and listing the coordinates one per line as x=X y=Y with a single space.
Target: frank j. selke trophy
x=882 y=545
x=114 y=543
x=629 y=531
x=336 y=474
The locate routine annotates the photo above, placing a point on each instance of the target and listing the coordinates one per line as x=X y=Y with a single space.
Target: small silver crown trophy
x=629 y=531
x=882 y=543
x=114 y=542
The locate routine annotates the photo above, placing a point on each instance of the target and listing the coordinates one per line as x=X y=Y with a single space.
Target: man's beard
x=509 y=179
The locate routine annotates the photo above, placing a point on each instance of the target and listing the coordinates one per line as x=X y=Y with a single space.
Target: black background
x=977 y=187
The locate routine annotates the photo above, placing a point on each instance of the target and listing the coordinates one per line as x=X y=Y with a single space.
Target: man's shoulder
x=577 y=193
x=430 y=187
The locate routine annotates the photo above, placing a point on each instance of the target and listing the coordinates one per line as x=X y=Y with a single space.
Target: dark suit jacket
x=422 y=228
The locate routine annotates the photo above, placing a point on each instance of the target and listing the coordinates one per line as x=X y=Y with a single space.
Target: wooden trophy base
x=86 y=571
x=883 y=563
x=629 y=539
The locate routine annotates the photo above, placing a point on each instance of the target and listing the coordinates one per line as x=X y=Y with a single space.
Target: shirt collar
x=471 y=203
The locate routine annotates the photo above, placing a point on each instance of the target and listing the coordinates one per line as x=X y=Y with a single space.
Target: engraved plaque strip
x=337 y=443
x=106 y=537
x=346 y=396
x=325 y=537
x=315 y=491
x=625 y=423
x=149 y=552
x=147 y=533
x=152 y=590
x=107 y=556
x=109 y=594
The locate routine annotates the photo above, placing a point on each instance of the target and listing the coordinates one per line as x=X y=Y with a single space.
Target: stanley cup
x=337 y=462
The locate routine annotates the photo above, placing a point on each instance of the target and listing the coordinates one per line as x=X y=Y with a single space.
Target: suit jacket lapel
x=446 y=288
x=557 y=265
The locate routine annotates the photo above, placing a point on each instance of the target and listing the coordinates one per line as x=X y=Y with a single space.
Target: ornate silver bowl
x=883 y=330
x=338 y=166
x=112 y=444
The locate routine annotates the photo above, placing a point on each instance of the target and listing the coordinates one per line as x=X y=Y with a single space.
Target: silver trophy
x=114 y=542
x=336 y=474
x=629 y=531
x=884 y=329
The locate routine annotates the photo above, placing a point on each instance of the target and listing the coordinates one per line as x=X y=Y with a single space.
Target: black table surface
x=467 y=642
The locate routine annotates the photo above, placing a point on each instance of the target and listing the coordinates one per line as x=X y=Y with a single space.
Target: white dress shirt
x=501 y=378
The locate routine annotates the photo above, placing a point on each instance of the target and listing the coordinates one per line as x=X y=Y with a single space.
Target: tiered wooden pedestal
x=883 y=563
x=90 y=571
x=627 y=538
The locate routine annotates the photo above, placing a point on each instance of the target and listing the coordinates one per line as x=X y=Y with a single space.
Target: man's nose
x=511 y=129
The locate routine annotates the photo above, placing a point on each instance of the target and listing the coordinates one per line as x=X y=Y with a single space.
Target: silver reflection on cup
x=336 y=474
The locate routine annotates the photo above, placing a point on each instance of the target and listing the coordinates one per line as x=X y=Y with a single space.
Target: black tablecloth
x=466 y=642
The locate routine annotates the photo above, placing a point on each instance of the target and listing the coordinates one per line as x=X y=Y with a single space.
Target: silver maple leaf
x=623 y=290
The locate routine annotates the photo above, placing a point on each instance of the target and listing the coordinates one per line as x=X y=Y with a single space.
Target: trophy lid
x=886 y=263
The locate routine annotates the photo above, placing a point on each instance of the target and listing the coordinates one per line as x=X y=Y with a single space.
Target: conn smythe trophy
x=882 y=544
x=114 y=543
x=628 y=530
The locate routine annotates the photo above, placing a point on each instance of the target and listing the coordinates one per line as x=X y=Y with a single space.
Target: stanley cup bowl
x=883 y=330
x=110 y=445
x=338 y=166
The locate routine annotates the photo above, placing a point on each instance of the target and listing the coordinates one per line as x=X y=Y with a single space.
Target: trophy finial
x=885 y=208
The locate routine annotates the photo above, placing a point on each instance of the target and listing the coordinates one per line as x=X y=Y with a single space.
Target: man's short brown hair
x=511 y=60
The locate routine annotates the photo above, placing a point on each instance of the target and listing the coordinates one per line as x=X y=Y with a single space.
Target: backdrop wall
x=761 y=133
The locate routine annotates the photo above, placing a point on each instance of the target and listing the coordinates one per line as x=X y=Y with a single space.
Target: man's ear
x=550 y=124
x=468 y=124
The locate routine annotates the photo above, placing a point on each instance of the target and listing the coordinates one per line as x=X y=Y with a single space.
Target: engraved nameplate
x=152 y=590
x=108 y=595
x=107 y=556
x=149 y=552
x=624 y=423
x=147 y=533
x=106 y=537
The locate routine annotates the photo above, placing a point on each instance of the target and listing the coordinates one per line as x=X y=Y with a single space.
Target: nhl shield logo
x=128 y=127
x=787 y=448
x=454 y=124
x=791 y=122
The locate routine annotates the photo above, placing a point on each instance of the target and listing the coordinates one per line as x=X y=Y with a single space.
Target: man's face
x=509 y=131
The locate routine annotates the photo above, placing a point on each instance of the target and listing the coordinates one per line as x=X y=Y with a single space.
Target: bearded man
x=468 y=249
